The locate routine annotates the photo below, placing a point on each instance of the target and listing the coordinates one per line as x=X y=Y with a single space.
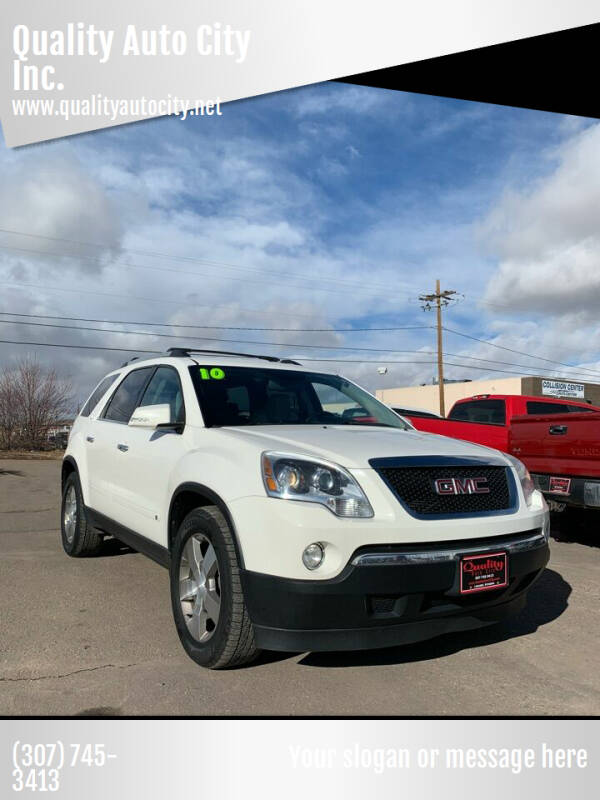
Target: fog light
x=313 y=555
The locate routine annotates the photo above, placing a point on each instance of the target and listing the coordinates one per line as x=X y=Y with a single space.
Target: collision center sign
x=563 y=389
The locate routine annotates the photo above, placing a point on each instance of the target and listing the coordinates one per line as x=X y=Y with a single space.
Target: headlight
x=296 y=478
x=527 y=483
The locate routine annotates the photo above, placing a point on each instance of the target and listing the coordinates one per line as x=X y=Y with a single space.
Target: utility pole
x=438 y=300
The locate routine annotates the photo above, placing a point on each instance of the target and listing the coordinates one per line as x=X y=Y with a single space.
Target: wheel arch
x=190 y=495
x=69 y=465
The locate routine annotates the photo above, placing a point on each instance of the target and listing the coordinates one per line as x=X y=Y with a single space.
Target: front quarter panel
x=230 y=468
x=76 y=452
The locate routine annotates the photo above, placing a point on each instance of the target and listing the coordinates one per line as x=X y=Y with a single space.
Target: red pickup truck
x=562 y=453
x=557 y=440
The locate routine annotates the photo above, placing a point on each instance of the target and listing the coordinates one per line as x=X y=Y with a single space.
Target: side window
x=486 y=412
x=539 y=407
x=336 y=402
x=124 y=401
x=578 y=409
x=165 y=388
x=97 y=394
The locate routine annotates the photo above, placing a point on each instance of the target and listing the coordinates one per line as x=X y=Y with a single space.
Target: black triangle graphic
x=554 y=72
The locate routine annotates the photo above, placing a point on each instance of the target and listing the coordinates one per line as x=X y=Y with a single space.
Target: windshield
x=232 y=396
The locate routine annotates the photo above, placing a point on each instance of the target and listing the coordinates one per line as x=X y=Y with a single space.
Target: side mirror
x=151 y=416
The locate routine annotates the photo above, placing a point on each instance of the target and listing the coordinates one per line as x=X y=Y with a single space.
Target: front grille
x=415 y=488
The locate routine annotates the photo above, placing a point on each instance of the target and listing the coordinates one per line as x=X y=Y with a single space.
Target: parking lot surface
x=95 y=637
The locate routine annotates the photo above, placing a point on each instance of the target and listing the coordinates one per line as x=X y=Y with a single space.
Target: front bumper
x=273 y=533
x=410 y=596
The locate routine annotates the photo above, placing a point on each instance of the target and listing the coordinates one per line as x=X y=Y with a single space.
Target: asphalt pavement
x=95 y=637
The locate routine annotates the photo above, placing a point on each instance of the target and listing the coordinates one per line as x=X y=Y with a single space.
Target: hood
x=352 y=446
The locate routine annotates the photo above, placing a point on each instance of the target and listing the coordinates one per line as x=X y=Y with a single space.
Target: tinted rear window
x=540 y=407
x=535 y=407
x=124 y=401
x=486 y=412
x=97 y=394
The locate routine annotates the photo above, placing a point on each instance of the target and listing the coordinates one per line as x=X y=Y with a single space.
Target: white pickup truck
x=288 y=520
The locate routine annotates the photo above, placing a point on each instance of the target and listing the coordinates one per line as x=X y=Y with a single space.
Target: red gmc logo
x=461 y=486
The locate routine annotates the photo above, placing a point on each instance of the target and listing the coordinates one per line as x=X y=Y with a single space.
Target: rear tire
x=206 y=594
x=79 y=539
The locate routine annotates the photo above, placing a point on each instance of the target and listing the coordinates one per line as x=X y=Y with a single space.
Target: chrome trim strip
x=438 y=556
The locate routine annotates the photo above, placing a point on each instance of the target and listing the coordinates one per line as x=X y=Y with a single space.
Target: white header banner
x=71 y=67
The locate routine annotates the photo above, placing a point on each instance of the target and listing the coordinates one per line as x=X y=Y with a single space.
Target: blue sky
x=322 y=207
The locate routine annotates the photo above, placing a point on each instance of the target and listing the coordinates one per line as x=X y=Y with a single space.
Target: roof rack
x=125 y=363
x=183 y=352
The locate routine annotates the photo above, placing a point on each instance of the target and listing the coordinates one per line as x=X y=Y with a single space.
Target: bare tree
x=32 y=399
x=9 y=411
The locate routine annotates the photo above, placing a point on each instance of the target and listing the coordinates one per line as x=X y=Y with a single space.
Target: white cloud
x=331 y=168
x=546 y=236
x=357 y=99
x=52 y=195
x=243 y=201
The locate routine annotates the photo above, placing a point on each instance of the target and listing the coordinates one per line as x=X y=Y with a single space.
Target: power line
x=214 y=265
x=199 y=338
x=205 y=262
x=520 y=352
x=127 y=265
x=170 y=256
x=505 y=363
x=86 y=328
x=308 y=359
x=192 y=259
x=262 y=311
x=121 y=296
x=79 y=346
x=492 y=305
x=393 y=361
x=266 y=343
x=216 y=327
x=120 y=264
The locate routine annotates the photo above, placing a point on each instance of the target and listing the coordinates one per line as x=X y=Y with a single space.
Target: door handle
x=558 y=430
x=89 y=438
x=123 y=447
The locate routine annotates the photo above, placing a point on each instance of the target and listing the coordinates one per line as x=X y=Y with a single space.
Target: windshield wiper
x=367 y=424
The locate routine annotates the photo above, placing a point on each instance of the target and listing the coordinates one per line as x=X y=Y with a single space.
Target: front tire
x=206 y=594
x=79 y=539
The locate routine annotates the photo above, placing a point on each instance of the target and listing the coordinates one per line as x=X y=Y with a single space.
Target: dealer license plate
x=559 y=485
x=483 y=572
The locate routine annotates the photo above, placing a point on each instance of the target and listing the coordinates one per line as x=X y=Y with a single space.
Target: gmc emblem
x=461 y=486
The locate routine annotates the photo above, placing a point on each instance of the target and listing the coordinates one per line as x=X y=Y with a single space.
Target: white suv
x=294 y=510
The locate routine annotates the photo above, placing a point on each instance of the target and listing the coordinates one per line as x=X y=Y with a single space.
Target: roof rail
x=125 y=363
x=183 y=352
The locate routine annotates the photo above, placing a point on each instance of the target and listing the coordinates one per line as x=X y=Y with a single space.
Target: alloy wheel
x=70 y=514
x=199 y=587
